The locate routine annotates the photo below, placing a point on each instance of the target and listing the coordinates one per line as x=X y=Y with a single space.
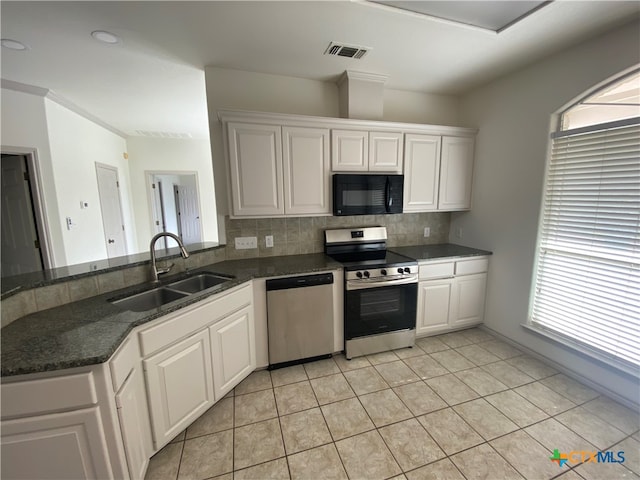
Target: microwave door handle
x=387 y=193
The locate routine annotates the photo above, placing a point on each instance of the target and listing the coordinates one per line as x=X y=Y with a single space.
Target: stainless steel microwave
x=367 y=194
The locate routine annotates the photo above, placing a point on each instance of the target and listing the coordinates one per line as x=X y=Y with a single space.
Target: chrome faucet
x=152 y=247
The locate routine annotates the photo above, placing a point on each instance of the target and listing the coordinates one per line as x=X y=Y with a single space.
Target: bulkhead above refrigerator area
x=282 y=165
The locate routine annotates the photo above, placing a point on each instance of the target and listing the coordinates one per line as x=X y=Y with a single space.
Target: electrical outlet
x=243 y=243
x=268 y=241
x=427 y=231
x=458 y=232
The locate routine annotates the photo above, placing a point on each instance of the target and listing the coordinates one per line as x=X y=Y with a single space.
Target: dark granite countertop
x=441 y=250
x=89 y=331
x=16 y=283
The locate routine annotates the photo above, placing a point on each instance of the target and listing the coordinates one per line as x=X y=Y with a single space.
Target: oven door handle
x=374 y=283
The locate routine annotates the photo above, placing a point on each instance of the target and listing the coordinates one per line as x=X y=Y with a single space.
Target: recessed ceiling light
x=105 y=37
x=13 y=44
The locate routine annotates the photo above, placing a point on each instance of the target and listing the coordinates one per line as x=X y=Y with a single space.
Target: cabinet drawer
x=48 y=395
x=468 y=267
x=436 y=270
x=184 y=323
x=123 y=361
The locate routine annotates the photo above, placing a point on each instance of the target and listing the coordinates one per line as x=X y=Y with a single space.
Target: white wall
x=418 y=107
x=513 y=116
x=171 y=155
x=77 y=144
x=24 y=125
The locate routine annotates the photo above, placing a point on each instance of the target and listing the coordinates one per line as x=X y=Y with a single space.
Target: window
x=587 y=279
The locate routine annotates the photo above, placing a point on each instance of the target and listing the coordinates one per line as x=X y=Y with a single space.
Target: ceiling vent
x=147 y=133
x=349 y=51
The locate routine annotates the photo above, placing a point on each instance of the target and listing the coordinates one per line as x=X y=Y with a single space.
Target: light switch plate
x=427 y=231
x=268 y=241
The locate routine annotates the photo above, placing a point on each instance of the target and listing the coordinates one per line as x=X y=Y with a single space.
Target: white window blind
x=587 y=287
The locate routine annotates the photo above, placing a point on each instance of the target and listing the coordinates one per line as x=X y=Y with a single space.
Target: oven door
x=379 y=307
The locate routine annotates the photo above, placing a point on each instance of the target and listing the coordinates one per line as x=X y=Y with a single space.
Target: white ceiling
x=154 y=79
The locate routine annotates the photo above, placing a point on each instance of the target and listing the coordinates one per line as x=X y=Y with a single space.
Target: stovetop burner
x=363 y=248
x=381 y=259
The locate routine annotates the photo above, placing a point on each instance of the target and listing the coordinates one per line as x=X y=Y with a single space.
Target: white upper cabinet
x=385 y=152
x=255 y=157
x=281 y=164
x=366 y=151
x=278 y=171
x=307 y=170
x=349 y=150
x=421 y=172
x=438 y=172
x=456 y=172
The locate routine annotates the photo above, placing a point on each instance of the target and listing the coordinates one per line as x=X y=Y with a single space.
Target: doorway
x=175 y=206
x=23 y=245
x=111 y=206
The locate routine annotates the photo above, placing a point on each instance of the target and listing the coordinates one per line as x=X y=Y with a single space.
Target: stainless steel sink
x=157 y=297
x=148 y=300
x=198 y=282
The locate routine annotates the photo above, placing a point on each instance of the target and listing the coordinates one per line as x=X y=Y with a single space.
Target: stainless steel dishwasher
x=299 y=318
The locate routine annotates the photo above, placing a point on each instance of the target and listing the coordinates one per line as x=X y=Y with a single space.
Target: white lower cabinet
x=133 y=415
x=434 y=298
x=186 y=378
x=233 y=350
x=467 y=300
x=106 y=421
x=451 y=295
x=59 y=445
x=179 y=386
x=54 y=427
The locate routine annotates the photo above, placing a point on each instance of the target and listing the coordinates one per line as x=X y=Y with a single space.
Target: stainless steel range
x=381 y=291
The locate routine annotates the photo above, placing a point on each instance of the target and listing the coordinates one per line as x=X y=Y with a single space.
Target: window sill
x=575 y=347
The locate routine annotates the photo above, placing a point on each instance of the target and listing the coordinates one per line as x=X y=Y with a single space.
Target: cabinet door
x=307 y=171
x=456 y=173
x=60 y=445
x=421 y=172
x=234 y=350
x=255 y=157
x=433 y=306
x=349 y=150
x=467 y=300
x=133 y=415
x=180 y=386
x=385 y=152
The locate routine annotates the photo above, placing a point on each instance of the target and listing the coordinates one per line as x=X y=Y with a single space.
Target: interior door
x=20 y=246
x=109 y=191
x=188 y=213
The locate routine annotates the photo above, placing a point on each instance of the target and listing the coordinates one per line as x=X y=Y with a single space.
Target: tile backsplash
x=298 y=235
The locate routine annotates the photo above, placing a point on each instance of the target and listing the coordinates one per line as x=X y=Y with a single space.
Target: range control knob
x=366 y=274
x=359 y=274
x=400 y=270
x=383 y=272
x=407 y=270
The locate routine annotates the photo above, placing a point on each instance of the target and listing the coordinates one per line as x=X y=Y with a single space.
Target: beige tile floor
x=464 y=405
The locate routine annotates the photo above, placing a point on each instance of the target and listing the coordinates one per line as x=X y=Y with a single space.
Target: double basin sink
x=141 y=302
